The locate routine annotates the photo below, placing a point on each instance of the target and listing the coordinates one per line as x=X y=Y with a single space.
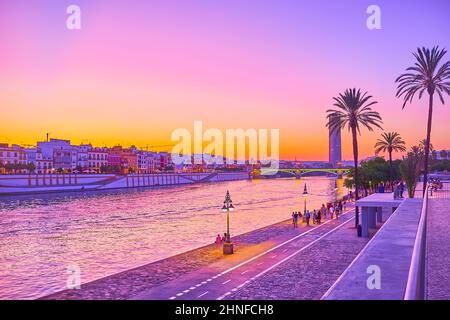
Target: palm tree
x=354 y=112
x=423 y=143
x=390 y=141
x=425 y=75
x=410 y=170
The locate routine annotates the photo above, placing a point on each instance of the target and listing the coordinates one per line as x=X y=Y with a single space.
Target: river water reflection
x=108 y=232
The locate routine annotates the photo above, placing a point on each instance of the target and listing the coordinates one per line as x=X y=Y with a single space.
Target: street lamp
x=336 y=189
x=227 y=207
x=305 y=195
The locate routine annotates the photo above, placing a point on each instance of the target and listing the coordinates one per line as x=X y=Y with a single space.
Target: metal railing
x=416 y=285
x=440 y=190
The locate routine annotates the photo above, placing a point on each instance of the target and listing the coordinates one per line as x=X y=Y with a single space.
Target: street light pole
x=336 y=189
x=305 y=194
x=227 y=207
x=228 y=239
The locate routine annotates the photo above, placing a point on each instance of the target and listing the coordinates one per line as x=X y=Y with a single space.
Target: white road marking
x=278 y=246
x=295 y=253
x=244 y=272
x=274 y=248
x=274 y=256
x=185 y=291
x=226 y=281
x=202 y=294
x=179 y=294
x=171 y=298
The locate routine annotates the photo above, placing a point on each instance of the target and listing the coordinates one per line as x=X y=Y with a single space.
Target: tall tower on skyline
x=334 y=148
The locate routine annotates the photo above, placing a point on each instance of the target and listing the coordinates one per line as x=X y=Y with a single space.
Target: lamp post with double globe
x=227 y=207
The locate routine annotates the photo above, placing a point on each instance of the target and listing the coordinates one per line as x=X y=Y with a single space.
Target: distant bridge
x=298 y=172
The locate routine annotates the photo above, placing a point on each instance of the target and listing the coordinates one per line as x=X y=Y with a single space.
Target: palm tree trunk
x=427 y=144
x=390 y=168
x=355 y=159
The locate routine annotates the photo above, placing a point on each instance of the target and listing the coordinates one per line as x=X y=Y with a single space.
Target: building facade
x=334 y=148
x=13 y=158
x=97 y=158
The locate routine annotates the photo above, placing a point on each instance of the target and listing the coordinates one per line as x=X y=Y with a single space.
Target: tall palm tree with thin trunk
x=425 y=75
x=423 y=143
x=390 y=142
x=353 y=111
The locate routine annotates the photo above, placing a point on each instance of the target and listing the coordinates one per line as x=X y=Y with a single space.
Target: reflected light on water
x=108 y=232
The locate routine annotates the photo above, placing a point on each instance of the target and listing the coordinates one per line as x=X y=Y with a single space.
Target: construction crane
x=147 y=147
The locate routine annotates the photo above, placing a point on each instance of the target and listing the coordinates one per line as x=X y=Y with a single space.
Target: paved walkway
x=308 y=275
x=381 y=270
x=140 y=282
x=438 y=249
x=220 y=280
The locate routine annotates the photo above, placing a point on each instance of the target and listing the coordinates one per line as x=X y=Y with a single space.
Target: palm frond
x=425 y=75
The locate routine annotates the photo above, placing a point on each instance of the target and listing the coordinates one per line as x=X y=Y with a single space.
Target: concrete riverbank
x=50 y=183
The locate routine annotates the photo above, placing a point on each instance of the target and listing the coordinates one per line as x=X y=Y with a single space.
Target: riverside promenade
x=388 y=267
x=205 y=273
x=324 y=261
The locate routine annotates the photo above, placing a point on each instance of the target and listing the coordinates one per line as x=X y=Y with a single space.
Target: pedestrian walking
x=295 y=219
x=218 y=239
x=323 y=211
x=307 y=217
x=331 y=212
x=402 y=188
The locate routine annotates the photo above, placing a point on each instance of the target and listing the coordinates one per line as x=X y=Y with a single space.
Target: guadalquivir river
x=107 y=232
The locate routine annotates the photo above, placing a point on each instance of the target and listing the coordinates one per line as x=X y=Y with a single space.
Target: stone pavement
x=131 y=283
x=221 y=279
x=385 y=261
x=438 y=249
x=309 y=274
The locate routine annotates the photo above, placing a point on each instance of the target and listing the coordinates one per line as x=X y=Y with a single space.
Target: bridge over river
x=299 y=172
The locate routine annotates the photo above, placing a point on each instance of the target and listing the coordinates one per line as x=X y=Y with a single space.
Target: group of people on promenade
x=436 y=184
x=220 y=240
x=330 y=211
x=399 y=188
